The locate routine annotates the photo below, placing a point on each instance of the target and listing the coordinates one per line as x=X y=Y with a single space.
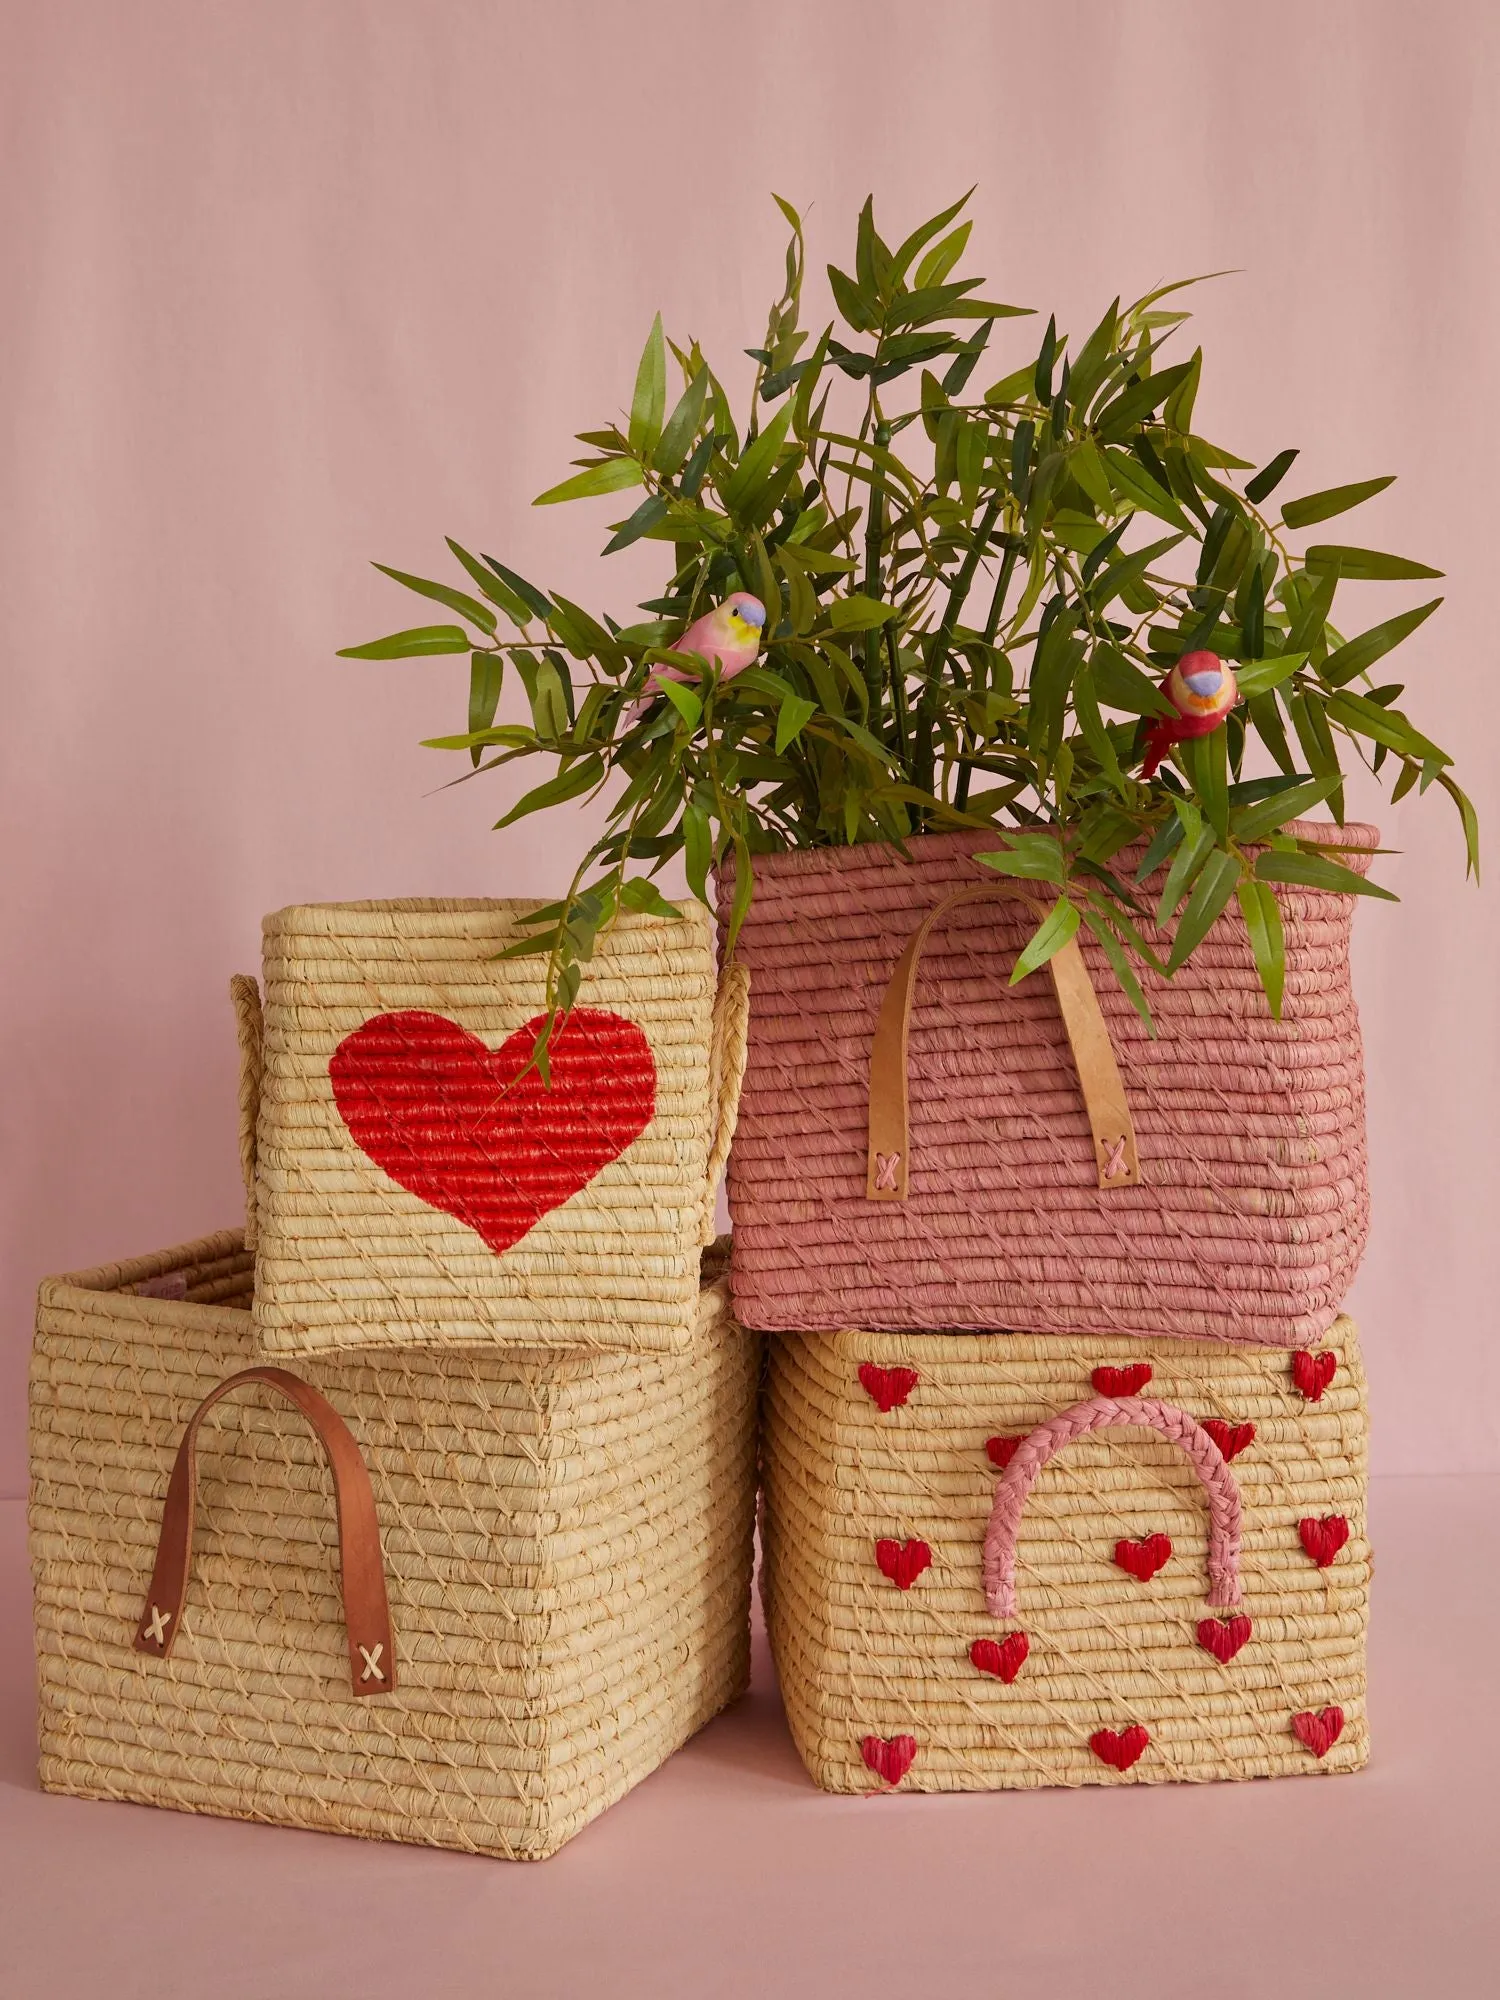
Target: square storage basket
x=414 y=1179
x=566 y=1546
x=1009 y=1560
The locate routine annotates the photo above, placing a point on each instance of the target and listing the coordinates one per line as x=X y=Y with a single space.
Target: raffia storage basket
x=922 y=1145
x=1008 y=1560
x=413 y=1184
x=566 y=1561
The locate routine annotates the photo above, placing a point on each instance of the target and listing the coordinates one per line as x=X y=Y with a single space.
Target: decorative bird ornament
x=729 y=636
x=1202 y=688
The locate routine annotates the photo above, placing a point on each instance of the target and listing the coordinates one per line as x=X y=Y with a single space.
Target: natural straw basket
x=1060 y=1171
x=413 y=1185
x=897 y=1587
x=566 y=1549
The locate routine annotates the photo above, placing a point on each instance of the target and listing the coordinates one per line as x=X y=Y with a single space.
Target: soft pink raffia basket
x=1031 y=1158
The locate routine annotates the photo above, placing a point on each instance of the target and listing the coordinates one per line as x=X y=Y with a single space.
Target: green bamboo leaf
x=1205 y=759
x=921 y=236
x=1470 y=821
x=794 y=711
x=497 y=592
x=1316 y=871
x=1013 y=388
x=942 y=257
x=569 y=784
x=643 y=895
x=535 y=600
x=682 y=426
x=687 y=704
x=858 y=613
x=1260 y=676
x=758 y=462
x=698 y=849
x=1266 y=717
x=1187 y=861
x=1119 y=683
x=1118 y=418
x=1332 y=500
x=1130 y=479
x=1254 y=822
x=1178 y=410
x=414 y=644
x=1383 y=725
x=744 y=890
x=1036 y=857
x=1269 y=477
x=1211 y=893
x=456 y=600
x=1166 y=840
x=1056 y=928
x=486 y=676
x=650 y=514
x=1129 y=570
x=861 y=312
x=649 y=404
x=611 y=477
x=1263 y=921
x=1114 y=951
x=1363 y=565
x=1357 y=656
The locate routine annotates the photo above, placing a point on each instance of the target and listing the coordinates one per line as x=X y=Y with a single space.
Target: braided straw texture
x=1253 y=1209
x=567 y=1548
x=351 y=1258
x=860 y=1658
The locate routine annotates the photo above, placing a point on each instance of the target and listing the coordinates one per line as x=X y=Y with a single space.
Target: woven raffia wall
x=1253 y=1208
x=567 y=1549
x=874 y=1643
x=352 y=1257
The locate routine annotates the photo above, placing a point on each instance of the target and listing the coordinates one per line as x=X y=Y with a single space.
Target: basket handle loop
x=367 y=1616
x=1101 y=1413
x=726 y=1073
x=889 y=1155
x=250 y=1027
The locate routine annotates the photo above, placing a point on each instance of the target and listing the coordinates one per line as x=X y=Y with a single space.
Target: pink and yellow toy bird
x=1202 y=688
x=729 y=635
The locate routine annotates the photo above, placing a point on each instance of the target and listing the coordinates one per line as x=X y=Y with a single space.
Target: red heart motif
x=1319 y=1733
x=1323 y=1539
x=1122 y=1750
x=1231 y=1439
x=1122 y=1381
x=902 y=1562
x=1004 y=1658
x=1223 y=1637
x=889 y=1387
x=889 y=1757
x=1312 y=1373
x=1002 y=1450
x=458 y=1125
x=1143 y=1559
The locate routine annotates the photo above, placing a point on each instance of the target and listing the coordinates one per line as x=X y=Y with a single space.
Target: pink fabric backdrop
x=288 y=286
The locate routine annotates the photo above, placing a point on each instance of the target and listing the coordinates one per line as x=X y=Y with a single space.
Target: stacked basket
x=1064 y=1434
x=482 y=1561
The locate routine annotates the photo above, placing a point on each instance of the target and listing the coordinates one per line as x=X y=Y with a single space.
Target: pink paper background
x=290 y=286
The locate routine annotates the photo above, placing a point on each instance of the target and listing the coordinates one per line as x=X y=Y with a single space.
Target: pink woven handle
x=1102 y=1413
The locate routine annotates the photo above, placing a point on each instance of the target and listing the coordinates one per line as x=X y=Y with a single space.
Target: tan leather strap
x=1116 y=1162
x=367 y=1615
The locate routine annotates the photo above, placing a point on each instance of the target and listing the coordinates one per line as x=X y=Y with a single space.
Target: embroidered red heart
x=1231 y=1439
x=889 y=1387
x=458 y=1125
x=1002 y=1450
x=1122 y=1381
x=1143 y=1559
x=1323 y=1539
x=1312 y=1373
x=1004 y=1658
x=1122 y=1750
x=1319 y=1733
x=1223 y=1637
x=902 y=1562
x=889 y=1757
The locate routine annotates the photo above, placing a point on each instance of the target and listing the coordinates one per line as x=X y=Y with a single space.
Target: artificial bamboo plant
x=972 y=599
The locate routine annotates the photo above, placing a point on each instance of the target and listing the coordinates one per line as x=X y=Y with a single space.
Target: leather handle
x=367 y=1615
x=250 y=1030
x=1115 y=1157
